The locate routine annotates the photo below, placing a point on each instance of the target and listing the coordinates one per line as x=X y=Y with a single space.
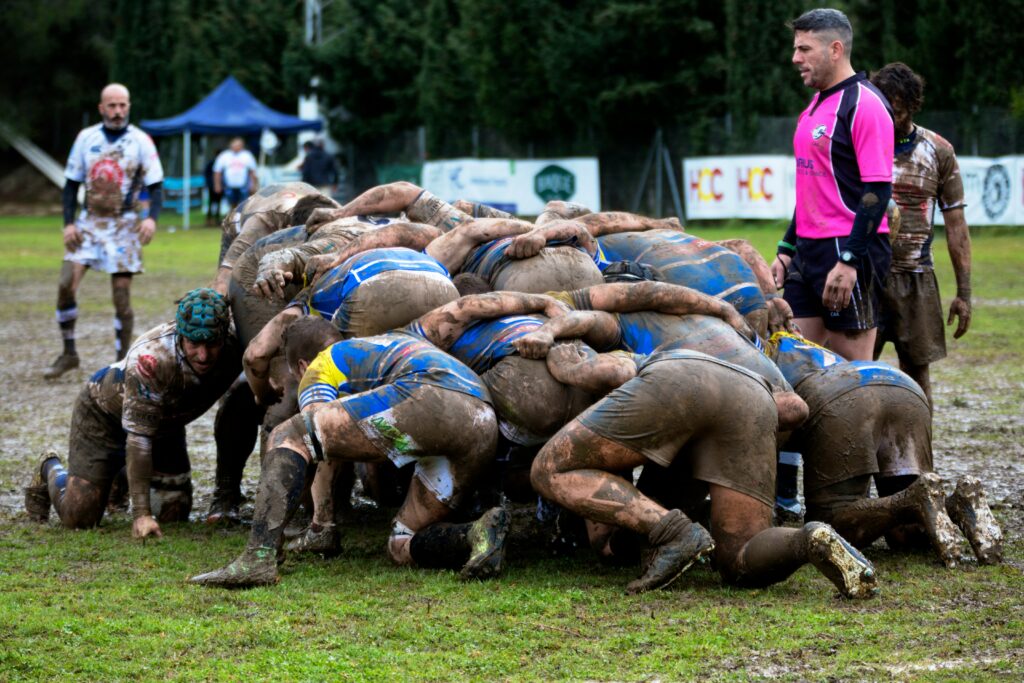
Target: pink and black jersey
x=843 y=139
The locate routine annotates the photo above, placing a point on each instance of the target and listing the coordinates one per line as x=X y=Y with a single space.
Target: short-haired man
x=925 y=175
x=133 y=413
x=234 y=173
x=115 y=160
x=835 y=251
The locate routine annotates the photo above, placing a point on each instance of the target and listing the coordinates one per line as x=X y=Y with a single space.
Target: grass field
x=95 y=605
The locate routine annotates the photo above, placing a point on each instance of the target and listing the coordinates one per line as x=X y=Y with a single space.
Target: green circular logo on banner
x=554 y=182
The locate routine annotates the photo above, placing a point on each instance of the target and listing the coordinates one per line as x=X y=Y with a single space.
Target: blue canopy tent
x=229 y=110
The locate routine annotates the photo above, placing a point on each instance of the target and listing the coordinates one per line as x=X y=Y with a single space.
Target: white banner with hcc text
x=519 y=186
x=764 y=186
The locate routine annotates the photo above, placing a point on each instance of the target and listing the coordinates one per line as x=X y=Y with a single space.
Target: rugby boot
x=254 y=567
x=968 y=508
x=841 y=563
x=926 y=492
x=486 y=538
x=677 y=543
x=64 y=363
x=316 y=539
x=224 y=509
x=37 y=495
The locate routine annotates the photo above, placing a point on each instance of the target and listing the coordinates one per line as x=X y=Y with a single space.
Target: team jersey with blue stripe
x=489 y=258
x=338 y=283
x=689 y=261
x=486 y=342
x=400 y=361
x=814 y=370
x=646 y=331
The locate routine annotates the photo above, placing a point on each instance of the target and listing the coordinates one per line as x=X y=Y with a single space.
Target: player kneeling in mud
x=134 y=413
x=868 y=419
x=392 y=396
x=674 y=405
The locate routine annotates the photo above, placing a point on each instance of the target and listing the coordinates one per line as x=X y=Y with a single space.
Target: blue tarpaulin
x=229 y=110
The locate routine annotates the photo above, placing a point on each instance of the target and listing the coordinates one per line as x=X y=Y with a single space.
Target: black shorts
x=805 y=282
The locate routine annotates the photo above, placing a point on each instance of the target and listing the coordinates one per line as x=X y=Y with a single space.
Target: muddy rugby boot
x=321 y=540
x=254 y=567
x=64 y=363
x=224 y=509
x=841 y=563
x=927 y=493
x=969 y=510
x=678 y=543
x=37 y=495
x=486 y=538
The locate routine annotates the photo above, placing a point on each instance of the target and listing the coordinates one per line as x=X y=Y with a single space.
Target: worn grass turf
x=95 y=605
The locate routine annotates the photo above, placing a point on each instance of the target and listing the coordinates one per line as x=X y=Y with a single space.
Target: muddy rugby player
x=115 y=160
x=133 y=414
x=926 y=176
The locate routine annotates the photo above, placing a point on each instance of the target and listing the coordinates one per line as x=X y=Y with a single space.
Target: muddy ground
x=979 y=424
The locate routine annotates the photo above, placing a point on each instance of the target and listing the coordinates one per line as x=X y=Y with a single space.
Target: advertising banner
x=739 y=186
x=763 y=186
x=519 y=186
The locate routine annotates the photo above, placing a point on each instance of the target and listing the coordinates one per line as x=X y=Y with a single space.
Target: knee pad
x=170 y=496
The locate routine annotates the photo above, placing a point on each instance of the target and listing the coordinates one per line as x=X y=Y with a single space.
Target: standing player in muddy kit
x=925 y=176
x=867 y=419
x=372 y=399
x=668 y=408
x=835 y=255
x=134 y=413
x=115 y=160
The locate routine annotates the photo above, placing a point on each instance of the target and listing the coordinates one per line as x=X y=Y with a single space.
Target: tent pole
x=187 y=178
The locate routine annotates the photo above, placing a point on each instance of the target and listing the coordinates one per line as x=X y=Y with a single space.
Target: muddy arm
x=445 y=324
x=557 y=210
x=531 y=243
x=596 y=374
x=390 y=198
x=453 y=247
x=261 y=351
x=611 y=222
x=480 y=210
x=415 y=236
x=598 y=329
x=792 y=410
x=663 y=297
x=958 y=240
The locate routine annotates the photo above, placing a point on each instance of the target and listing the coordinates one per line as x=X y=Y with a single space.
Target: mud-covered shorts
x=450 y=436
x=531 y=404
x=911 y=317
x=554 y=269
x=721 y=421
x=108 y=244
x=874 y=429
x=392 y=299
x=814 y=260
x=96 y=448
x=428 y=209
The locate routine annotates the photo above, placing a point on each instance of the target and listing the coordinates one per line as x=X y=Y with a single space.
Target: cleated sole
x=944 y=535
x=487 y=554
x=841 y=563
x=968 y=508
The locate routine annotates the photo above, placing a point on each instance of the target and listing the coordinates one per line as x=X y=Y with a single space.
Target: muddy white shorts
x=109 y=244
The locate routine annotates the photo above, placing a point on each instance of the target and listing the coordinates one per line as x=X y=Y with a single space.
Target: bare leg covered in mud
x=908 y=514
x=575 y=469
x=329 y=432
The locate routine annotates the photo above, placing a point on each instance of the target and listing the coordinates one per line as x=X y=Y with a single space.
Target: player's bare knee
x=398 y=544
x=82 y=505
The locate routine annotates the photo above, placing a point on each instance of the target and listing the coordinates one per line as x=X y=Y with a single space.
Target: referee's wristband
x=786 y=248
